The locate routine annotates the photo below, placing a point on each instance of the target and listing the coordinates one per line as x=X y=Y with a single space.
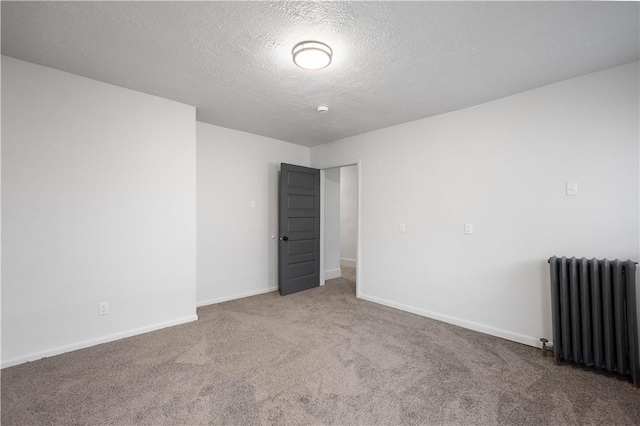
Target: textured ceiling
x=393 y=61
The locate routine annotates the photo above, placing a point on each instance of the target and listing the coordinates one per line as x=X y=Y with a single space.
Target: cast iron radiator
x=593 y=305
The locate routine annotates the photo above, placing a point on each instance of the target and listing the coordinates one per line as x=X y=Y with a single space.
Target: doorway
x=340 y=225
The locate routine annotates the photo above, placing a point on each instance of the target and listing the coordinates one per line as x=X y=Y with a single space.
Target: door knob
x=284 y=238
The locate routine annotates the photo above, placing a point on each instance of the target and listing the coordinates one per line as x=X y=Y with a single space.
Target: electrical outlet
x=403 y=228
x=572 y=188
x=103 y=308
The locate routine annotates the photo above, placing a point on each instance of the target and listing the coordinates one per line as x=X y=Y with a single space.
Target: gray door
x=299 y=245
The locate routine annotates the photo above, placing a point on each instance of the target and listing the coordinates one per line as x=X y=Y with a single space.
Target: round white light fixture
x=312 y=55
x=322 y=109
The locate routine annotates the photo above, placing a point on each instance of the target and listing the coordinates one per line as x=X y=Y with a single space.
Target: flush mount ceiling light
x=312 y=55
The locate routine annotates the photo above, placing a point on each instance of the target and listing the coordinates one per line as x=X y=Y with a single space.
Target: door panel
x=301 y=202
x=300 y=224
x=302 y=180
x=299 y=221
x=301 y=247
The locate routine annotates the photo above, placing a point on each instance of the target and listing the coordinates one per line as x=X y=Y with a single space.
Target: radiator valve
x=545 y=348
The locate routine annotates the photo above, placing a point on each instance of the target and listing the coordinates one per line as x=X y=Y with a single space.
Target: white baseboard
x=92 y=342
x=332 y=273
x=236 y=296
x=352 y=263
x=471 y=325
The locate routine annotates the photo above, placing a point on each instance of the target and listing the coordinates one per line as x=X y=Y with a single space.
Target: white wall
x=236 y=255
x=98 y=198
x=502 y=166
x=349 y=215
x=332 y=191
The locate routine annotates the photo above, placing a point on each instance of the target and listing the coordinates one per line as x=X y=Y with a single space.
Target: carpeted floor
x=348 y=273
x=316 y=357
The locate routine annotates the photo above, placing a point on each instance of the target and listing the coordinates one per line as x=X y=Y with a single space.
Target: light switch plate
x=468 y=228
x=572 y=188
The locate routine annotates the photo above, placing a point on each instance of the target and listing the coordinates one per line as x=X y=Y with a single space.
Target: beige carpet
x=315 y=357
x=348 y=273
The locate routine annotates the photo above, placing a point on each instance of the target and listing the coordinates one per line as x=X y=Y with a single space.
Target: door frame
x=323 y=167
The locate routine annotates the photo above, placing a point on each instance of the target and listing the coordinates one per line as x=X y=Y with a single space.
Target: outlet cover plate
x=468 y=228
x=572 y=188
x=103 y=308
